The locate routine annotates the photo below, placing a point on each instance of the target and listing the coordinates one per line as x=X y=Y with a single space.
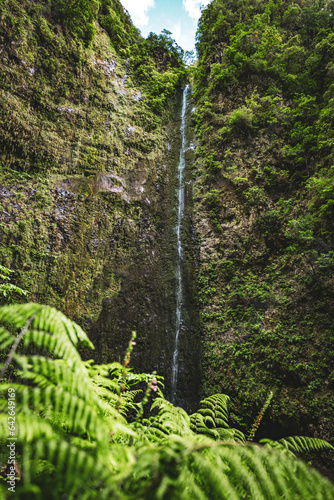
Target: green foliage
x=7 y=290
x=76 y=442
x=158 y=64
x=257 y=422
x=165 y=51
x=241 y=119
x=78 y=16
x=67 y=63
x=298 y=444
x=212 y=419
x=214 y=411
x=124 y=36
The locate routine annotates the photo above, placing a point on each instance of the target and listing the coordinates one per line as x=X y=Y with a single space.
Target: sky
x=178 y=16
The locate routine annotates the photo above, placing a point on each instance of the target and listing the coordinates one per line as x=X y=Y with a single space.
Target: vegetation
x=62 y=68
x=88 y=145
x=263 y=88
x=88 y=151
x=80 y=432
x=8 y=289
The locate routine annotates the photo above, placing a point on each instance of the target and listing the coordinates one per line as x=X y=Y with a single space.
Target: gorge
x=193 y=205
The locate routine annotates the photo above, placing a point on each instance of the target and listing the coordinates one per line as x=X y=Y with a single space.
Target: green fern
x=212 y=419
x=299 y=444
x=8 y=289
x=71 y=424
x=76 y=401
x=169 y=420
x=215 y=411
x=199 y=427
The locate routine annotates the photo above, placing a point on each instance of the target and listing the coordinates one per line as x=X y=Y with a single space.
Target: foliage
x=158 y=64
x=75 y=441
x=78 y=16
x=8 y=289
x=67 y=59
x=263 y=91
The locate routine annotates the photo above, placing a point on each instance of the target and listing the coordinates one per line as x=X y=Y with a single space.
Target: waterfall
x=179 y=288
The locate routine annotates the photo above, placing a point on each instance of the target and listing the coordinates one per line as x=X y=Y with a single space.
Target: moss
x=88 y=155
x=264 y=212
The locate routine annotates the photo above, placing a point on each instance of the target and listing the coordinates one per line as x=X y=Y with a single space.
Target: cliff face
x=90 y=116
x=263 y=203
x=89 y=152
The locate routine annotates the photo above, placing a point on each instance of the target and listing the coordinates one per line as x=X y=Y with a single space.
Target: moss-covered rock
x=262 y=202
x=89 y=152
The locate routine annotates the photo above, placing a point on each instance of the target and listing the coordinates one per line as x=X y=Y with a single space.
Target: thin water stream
x=179 y=286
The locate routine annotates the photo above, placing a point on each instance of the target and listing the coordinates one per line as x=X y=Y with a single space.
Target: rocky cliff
x=89 y=153
x=264 y=209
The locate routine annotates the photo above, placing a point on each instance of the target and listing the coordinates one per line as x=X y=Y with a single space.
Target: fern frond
x=212 y=420
x=277 y=446
x=6 y=338
x=149 y=432
x=230 y=434
x=76 y=414
x=129 y=396
x=238 y=471
x=301 y=444
x=45 y=371
x=198 y=426
x=100 y=381
x=170 y=419
x=105 y=370
x=59 y=347
x=74 y=463
x=215 y=411
x=46 y=319
x=28 y=428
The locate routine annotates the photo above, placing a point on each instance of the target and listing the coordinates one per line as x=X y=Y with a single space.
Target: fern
x=212 y=419
x=199 y=427
x=169 y=420
x=214 y=411
x=8 y=289
x=76 y=401
x=299 y=444
x=71 y=424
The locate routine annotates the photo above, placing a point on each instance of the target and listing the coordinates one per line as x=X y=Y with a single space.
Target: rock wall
x=88 y=188
x=263 y=199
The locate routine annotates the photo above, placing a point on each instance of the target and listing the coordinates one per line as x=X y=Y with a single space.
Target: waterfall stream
x=179 y=287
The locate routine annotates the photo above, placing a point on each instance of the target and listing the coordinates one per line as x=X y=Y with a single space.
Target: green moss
x=263 y=103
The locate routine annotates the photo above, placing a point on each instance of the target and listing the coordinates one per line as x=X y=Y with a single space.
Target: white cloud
x=184 y=38
x=138 y=10
x=193 y=7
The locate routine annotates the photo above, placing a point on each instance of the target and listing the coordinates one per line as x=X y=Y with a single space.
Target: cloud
x=184 y=38
x=138 y=10
x=193 y=7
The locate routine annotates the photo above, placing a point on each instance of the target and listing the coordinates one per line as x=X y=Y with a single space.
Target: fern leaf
x=46 y=319
x=198 y=425
x=28 y=428
x=230 y=434
x=215 y=409
x=238 y=472
x=6 y=339
x=45 y=371
x=304 y=443
x=77 y=415
x=71 y=462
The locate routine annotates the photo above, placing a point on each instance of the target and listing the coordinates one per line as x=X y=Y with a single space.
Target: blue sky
x=178 y=16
